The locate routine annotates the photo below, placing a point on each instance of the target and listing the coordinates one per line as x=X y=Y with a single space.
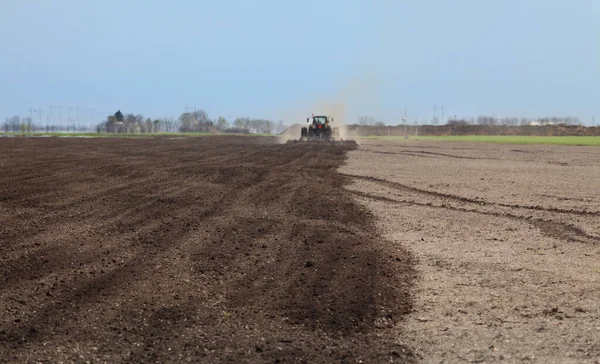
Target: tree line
x=19 y=124
x=188 y=122
x=484 y=120
x=512 y=121
x=199 y=121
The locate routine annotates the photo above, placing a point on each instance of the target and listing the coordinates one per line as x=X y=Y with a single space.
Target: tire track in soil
x=204 y=249
x=399 y=186
x=425 y=154
x=429 y=154
x=549 y=228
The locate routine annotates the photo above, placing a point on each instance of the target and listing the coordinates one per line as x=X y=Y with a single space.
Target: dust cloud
x=356 y=97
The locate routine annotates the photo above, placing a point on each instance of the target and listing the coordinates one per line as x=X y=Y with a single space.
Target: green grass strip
x=504 y=139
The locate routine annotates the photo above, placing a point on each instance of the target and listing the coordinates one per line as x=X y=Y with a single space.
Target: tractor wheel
x=304 y=132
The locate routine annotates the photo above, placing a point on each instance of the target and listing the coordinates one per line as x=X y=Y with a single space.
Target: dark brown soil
x=220 y=249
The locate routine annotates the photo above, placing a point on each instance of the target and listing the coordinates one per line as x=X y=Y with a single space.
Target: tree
x=255 y=125
x=486 y=120
x=268 y=128
x=222 y=123
x=119 y=116
x=280 y=127
x=456 y=121
x=366 y=120
x=197 y=121
x=14 y=123
x=169 y=125
x=148 y=126
x=133 y=122
x=241 y=123
x=112 y=125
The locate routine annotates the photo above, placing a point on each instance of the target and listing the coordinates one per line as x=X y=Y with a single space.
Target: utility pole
x=77 y=125
x=442 y=114
x=434 y=115
x=405 y=127
x=40 y=112
x=69 y=119
x=93 y=111
x=48 y=117
x=31 y=114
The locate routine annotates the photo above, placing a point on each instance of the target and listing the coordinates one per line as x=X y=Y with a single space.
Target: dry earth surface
x=229 y=249
x=507 y=243
x=204 y=250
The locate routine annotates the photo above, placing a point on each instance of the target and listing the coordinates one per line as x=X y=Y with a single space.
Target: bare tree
x=366 y=120
x=280 y=127
x=222 y=123
x=197 y=121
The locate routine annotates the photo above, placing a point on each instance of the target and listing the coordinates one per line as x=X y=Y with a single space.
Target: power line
x=31 y=114
x=69 y=120
x=442 y=114
x=40 y=112
x=405 y=128
x=50 y=114
x=93 y=111
x=77 y=125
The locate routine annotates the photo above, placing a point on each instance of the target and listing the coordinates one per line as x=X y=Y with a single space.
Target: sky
x=285 y=60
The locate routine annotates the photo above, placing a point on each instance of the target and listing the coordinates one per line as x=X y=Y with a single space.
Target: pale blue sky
x=284 y=59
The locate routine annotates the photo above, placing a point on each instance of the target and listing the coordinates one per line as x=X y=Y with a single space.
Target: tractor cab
x=319 y=121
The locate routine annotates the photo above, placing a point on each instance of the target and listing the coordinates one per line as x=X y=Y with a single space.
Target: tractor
x=319 y=129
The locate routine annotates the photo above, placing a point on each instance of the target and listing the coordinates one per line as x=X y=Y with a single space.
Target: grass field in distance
x=506 y=139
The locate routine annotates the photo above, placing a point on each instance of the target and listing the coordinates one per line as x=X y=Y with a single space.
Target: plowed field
x=231 y=249
x=201 y=250
x=507 y=240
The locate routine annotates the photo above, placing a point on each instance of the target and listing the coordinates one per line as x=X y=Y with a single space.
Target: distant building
x=545 y=122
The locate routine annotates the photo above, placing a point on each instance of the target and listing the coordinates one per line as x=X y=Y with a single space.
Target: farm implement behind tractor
x=320 y=130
